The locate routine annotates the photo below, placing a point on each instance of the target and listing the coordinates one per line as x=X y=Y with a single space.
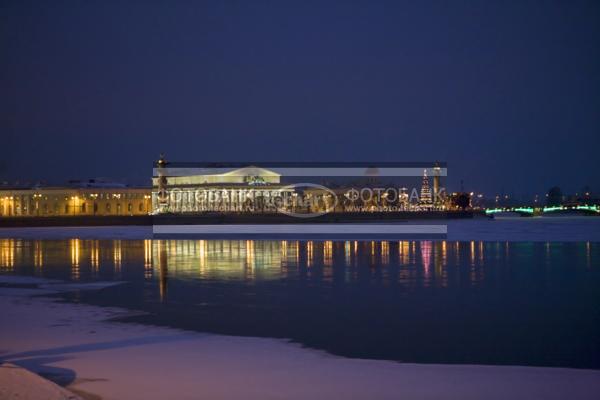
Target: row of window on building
x=68 y=202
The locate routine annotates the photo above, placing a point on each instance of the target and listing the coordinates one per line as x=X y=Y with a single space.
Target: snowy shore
x=539 y=229
x=78 y=347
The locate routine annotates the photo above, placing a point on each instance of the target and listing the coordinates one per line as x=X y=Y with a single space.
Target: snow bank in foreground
x=75 y=345
x=19 y=384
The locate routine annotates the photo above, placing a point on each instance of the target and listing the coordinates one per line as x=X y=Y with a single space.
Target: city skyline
x=506 y=94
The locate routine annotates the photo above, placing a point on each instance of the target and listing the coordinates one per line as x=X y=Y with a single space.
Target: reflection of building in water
x=250 y=259
x=283 y=246
x=480 y=253
x=202 y=254
x=223 y=259
x=407 y=263
x=385 y=252
x=75 y=246
x=147 y=259
x=456 y=253
x=411 y=263
x=328 y=253
x=425 y=247
x=296 y=256
x=117 y=255
x=439 y=262
x=372 y=252
x=7 y=254
x=95 y=255
x=38 y=254
x=403 y=252
x=309 y=254
x=348 y=253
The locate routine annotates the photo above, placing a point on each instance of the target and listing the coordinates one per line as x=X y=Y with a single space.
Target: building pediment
x=246 y=175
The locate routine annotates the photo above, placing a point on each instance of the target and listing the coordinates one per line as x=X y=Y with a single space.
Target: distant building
x=425 y=199
x=81 y=198
x=190 y=188
x=181 y=190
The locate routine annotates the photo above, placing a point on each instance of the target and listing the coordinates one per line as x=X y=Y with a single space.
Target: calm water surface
x=520 y=303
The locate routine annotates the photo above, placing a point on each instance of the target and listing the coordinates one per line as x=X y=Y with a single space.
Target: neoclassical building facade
x=193 y=190
x=74 y=201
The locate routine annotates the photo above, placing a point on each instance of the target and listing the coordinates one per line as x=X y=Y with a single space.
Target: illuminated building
x=79 y=199
x=425 y=200
x=248 y=189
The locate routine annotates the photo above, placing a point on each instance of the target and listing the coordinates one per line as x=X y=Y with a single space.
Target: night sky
x=508 y=93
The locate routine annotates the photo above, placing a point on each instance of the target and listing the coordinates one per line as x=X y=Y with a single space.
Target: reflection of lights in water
x=444 y=253
x=328 y=253
x=7 y=255
x=274 y=259
x=290 y=254
x=472 y=270
x=480 y=252
x=309 y=254
x=250 y=259
x=347 y=253
x=117 y=254
x=38 y=254
x=425 y=247
x=75 y=244
x=296 y=256
x=147 y=253
x=385 y=252
x=404 y=250
x=202 y=254
x=95 y=255
x=457 y=252
x=438 y=262
x=236 y=259
x=147 y=258
x=372 y=252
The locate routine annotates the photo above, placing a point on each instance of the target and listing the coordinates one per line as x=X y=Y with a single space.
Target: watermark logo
x=352 y=192
x=307 y=200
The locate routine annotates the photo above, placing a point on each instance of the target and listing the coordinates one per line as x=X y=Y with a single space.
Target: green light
x=588 y=208
x=527 y=210
x=555 y=208
x=531 y=210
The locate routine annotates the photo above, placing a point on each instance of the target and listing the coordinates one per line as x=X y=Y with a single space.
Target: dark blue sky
x=508 y=93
